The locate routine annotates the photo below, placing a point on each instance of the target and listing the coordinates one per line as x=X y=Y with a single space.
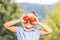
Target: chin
x=29 y=27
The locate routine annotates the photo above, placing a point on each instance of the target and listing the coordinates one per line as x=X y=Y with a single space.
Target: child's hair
x=33 y=12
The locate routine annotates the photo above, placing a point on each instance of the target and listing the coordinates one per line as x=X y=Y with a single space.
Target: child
x=29 y=20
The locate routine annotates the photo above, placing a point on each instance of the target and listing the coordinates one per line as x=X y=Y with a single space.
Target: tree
x=53 y=20
x=8 y=11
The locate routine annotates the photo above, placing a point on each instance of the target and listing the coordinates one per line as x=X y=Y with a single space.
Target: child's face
x=29 y=24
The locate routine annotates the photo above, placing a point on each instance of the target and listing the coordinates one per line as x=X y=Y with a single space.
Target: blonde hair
x=32 y=12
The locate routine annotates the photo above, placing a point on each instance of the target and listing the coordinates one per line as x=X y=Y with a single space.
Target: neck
x=29 y=29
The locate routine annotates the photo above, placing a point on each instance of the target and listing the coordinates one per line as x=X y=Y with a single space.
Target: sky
x=37 y=1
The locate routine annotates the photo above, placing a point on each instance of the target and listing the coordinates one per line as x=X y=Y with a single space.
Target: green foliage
x=8 y=11
x=53 y=20
x=11 y=11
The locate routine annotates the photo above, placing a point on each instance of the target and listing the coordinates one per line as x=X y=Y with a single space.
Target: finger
x=22 y=16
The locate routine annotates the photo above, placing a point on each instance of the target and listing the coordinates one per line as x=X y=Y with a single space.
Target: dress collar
x=29 y=30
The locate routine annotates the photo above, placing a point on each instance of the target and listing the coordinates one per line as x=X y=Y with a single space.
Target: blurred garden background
x=48 y=14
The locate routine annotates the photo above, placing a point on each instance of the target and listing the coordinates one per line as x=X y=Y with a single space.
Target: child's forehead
x=30 y=14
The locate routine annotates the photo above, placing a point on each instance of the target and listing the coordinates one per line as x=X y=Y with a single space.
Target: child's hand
x=37 y=21
x=21 y=19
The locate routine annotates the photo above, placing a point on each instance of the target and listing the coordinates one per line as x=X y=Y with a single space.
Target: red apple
x=26 y=18
x=33 y=19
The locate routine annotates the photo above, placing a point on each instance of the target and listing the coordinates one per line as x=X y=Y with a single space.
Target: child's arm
x=9 y=25
x=46 y=29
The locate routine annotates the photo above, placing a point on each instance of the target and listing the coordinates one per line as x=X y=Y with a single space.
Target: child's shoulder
x=36 y=27
x=18 y=27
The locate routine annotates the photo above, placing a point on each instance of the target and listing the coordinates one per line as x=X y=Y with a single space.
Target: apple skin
x=32 y=19
x=26 y=18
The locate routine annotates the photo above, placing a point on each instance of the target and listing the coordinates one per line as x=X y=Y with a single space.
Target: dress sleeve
x=18 y=29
